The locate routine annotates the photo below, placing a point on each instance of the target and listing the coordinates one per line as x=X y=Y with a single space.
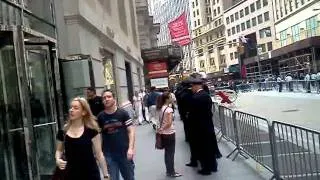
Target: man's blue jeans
x=119 y=163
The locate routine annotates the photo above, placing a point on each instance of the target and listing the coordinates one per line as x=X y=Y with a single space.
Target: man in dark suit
x=202 y=127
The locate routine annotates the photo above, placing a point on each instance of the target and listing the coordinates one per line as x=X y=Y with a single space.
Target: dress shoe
x=204 y=172
x=191 y=164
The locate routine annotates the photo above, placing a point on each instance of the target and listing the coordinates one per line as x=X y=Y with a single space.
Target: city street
x=296 y=108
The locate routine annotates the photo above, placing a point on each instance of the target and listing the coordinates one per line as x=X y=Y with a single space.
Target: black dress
x=81 y=163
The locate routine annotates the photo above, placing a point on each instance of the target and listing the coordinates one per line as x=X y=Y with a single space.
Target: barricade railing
x=312 y=86
x=216 y=120
x=226 y=116
x=288 y=151
x=299 y=156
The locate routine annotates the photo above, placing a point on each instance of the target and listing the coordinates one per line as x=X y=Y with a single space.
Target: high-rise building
x=297 y=26
x=208 y=35
x=254 y=21
x=147 y=29
x=167 y=11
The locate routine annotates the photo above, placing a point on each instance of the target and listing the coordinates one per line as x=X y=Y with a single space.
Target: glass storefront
x=28 y=113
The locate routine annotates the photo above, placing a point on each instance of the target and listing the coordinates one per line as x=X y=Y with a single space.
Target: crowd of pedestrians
x=100 y=130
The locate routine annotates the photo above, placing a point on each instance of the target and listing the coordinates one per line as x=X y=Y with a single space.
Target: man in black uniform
x=202 y=127
x=95 y=102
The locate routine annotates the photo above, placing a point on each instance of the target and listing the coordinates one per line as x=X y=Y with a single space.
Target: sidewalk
x=150 y=162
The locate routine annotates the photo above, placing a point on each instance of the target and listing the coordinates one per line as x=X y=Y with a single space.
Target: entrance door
x=13 y=156
x=41 y=103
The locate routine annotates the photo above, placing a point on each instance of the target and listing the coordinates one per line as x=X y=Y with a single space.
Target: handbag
x=60 y=174
x=159 y=143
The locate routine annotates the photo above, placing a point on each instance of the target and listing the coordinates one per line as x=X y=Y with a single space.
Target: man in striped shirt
x=118 y=137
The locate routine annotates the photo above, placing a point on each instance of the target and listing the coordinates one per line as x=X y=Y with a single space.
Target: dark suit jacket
x=201 y=113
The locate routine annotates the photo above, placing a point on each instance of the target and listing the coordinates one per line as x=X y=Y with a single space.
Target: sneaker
x=174 y=175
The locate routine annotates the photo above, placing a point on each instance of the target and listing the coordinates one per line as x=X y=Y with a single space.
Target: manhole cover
x=291 y=110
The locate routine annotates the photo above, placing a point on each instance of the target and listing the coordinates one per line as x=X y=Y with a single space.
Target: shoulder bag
x=159 y=143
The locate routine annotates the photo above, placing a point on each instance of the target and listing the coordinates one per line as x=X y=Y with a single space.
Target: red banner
x=179 y=30
x=157 y=69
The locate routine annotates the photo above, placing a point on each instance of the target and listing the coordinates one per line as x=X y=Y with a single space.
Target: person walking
x=95 y=102
x=151 y=104
x=137 y=106
x=167 y=131
x=80 y=142
x=118 y=137
x=202 y=128
x=280 y=83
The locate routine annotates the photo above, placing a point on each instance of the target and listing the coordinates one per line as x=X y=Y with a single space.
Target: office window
x=246 y=10
x=192 y=4
x=311 y=25
x=254 y=21
x=296 y=3
x=248 y=24
x=219 y=21
x=215 y=12
x=210 y=49
x=269 y=46
x=213 y=2
x=199 y=22
x=252 y=7
x=241 y=13
x=194 y=14
x=243 y=27
x=263 y=47
x=233 y=30
x=232 y=18
x=222 y=59
x=295 y=32
x=218 y=10
x=260 y=20
x=231 y=56
x=201 y=42
x=230 y=44
x=229 y=32
x=236 y=15
x=212 y=62
x=207 y=38
x=227 y=20
x=265 y=2
x=216 y=23
x=238 y=28
x=235 y=55
x=195 y=23
x=234 y=42
x=208 y=19
x=196 y=2
x=197 y=11
x=217 y=1
x=266 y=32
x=266 y=16
x=202 y=63
x=258 y=4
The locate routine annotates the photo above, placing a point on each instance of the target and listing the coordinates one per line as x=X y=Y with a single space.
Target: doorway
x=129 y=81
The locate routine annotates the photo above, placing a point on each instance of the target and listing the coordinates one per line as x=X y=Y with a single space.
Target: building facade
x=147 y=29
x=208 y=35
x=297 y=26
x=30 y=89
x=254 y=21
x=106 y=33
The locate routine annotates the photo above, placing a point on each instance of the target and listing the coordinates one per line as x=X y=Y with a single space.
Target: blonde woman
x=80 y=142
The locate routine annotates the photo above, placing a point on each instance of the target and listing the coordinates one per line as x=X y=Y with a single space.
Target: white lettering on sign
x=159 y=82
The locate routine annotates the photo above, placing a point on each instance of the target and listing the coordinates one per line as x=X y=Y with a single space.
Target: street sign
x=159 y=82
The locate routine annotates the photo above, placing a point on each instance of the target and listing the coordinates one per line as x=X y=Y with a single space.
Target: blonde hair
x=89 y=120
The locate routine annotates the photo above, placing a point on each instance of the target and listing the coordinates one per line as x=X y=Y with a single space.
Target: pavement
x=296 y=108
x=150 y=162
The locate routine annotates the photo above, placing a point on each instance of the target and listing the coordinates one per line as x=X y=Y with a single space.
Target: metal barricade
x=297 y=154
x=254 y=138
x=216 y=119
x=227 y=124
